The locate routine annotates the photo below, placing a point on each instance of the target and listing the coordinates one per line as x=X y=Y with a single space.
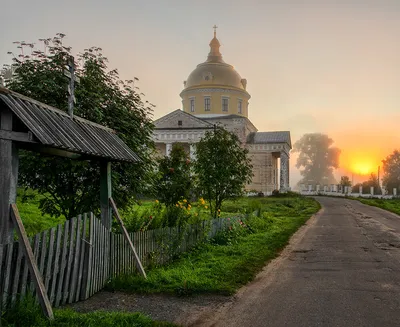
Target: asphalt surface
x=342 y=269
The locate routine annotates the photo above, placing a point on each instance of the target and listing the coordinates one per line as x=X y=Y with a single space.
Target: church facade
x=215 y=94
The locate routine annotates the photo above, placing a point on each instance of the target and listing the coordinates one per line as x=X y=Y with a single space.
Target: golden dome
x=215 y=72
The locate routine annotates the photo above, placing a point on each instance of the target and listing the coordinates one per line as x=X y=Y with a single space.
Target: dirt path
x=187 y=311
x=343 y=269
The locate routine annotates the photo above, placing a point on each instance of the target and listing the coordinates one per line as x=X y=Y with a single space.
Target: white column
x=284 y=172
x=395 y=191
x=318 y=187
x=168 y=148
x=372 y=190
x=360 y=189
x=192 y=152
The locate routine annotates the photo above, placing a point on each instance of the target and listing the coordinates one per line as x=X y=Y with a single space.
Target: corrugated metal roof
x=54 y=128
x=269 y=137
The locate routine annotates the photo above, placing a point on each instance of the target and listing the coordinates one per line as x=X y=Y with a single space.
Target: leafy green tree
x=175 y=181
x=71 y=187
x=318 y=159
x=222 y=166
x=345 y=181
x=371 y=182
x=391 y=168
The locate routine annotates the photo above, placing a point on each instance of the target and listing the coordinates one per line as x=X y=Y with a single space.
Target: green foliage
x=392 y=205
x=175 y=181
x=28 y=202
x=72 y=187
x=345 y=181
x=222 y=166
x=318 y=159
x=225 y=265
x=391 y=168
x=29 y=313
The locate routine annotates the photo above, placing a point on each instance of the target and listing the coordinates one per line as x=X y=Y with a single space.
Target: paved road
x=343 y=269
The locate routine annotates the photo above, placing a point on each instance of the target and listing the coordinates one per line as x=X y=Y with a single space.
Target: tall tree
x=72 y=187
x=222 y=166
x=317 y=158
x=391 y=169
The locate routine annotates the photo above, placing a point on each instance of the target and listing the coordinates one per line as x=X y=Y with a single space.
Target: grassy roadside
x=392 y=205
x=28 y=313
x=234 y=258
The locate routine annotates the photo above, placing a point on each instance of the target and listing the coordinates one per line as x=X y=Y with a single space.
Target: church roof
x=269 y=137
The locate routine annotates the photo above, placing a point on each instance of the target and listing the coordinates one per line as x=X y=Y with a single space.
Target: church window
x=207 y=103
x=192 y=105
x=225 y=104
x=239 y=106
x=179 y=122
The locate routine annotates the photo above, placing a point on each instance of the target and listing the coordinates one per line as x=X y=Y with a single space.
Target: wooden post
x=8 y=176
x=31 y=261
x=105 y=193
x=127 y=238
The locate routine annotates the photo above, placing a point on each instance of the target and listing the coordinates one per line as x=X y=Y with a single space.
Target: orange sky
x=327 y=66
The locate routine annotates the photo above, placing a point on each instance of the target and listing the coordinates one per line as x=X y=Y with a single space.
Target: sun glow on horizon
x=362 y=168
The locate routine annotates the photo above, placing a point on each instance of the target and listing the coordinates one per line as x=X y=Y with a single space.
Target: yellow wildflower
x=206 y=207
x=184 y=200
x=157 y=201
x=176 y=205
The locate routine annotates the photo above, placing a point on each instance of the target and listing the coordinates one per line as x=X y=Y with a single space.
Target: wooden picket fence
x=77 y=258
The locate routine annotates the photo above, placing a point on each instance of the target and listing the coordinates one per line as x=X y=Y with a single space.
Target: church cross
x=70 y=73
x=215 y=30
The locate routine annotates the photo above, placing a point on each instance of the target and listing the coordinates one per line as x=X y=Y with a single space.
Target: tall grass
x=223 y=266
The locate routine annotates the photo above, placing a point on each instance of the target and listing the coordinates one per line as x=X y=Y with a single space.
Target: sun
x=362 y=168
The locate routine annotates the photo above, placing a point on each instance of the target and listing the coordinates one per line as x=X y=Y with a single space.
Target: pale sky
x=312 y=66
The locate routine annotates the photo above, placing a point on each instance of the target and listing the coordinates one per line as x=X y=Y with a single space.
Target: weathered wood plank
x=43 y=252
x=25 y=246
x=8 y=176
x=49 y=262
x=57 y=262
x=36 y=251
x=61 y=274
x=82 y=257
x=76 y=260
x=87 y=271
x=105 y=193
x=7 y=272
x=126 y=235
x=17 y=274
x=69 y=261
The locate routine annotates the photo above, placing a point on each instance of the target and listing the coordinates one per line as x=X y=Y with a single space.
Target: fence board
x=82 y=257
x=62 y=265
x=7 y=272
x=69 y=260
x=17 y=272
x=56 y=267
x=49 y=262
x=74 y=272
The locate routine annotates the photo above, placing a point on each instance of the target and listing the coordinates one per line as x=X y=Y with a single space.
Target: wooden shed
x=35 y=126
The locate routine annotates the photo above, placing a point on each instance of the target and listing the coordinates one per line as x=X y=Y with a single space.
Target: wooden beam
x=127 y=238
x=105 y=193
x=31 y=261
x=8 y=176
x=17 y=136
